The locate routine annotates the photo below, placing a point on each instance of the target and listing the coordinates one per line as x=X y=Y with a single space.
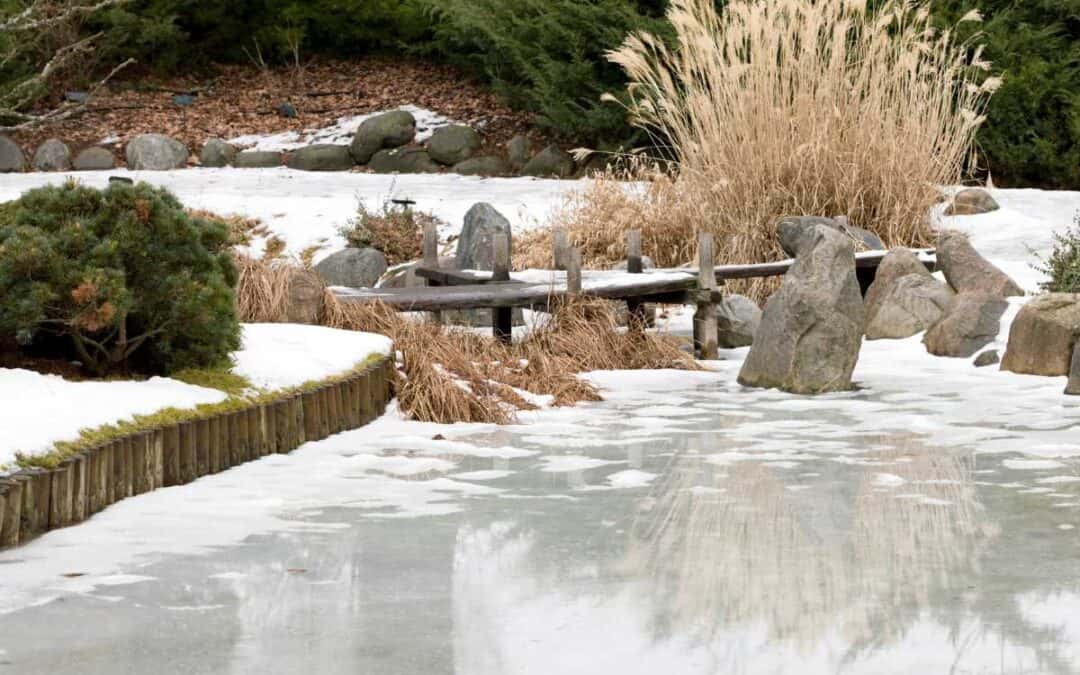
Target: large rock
x=911 y=305
x=791 y=230
x=970 y=202
x=11 y=156
x=353 y=267
x=402 y=160
x=1044 y=335
x=518 y=151
x=490 y=165
x=52 y=155
x=474 y=249
x=388 y=130
x=967 y=271
x=217 y=153
x=550 y=162
x=453 y=143
x=1073 y=387
x=811 y=330
x=972 y=323
x=305 y=299
x=154 y=152
x=257 y=159
x=897 y=263
x=323 y=157
x=94 y=159
x=737 y=321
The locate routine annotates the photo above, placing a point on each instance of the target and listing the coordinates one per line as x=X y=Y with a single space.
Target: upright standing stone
x=482 y=223
x=1044 y=335
x=811 y=329
x=967 y=271
x=973 y=322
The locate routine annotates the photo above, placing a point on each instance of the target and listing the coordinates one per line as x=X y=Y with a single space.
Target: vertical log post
x=171 y=456
x=122 y=461
x=157 y=458
x=296 y=421
x=79 y=465
x=322 y=396
x=255 y=439
x=430 y=251
x=217 y=462
x=10 y=512
x=573 y=272
x=636 y=318
x=502 y=318
x=204 y=454
x=140 y=472
x=37 y=488
x=188 y=451
x=60 y=497
x=705 y=329
x=282 y=413
x=560 y=242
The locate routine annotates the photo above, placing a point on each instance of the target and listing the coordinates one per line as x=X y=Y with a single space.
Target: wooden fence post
x=282 y=413
x=430 y=251
x=573 y=272
x=255 y=440
x=60 y=497
x=157 y=457
x=217 y=462
x=706 y=336
x=37 y=487
x=79 y=466
x=502 y=318
x=204 y=450
x=188 y=451
x=636 y=318
x=121 y=469
x=560 y=242
x=10 y=512
x=170 y=453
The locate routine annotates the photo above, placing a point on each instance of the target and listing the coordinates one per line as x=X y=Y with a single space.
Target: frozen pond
x=683 y=526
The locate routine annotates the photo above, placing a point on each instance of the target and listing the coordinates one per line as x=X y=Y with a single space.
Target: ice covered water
x=684 y=525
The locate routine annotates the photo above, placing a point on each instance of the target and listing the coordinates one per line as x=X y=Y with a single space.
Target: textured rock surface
x=967 y=271
x=972 y=323
x=811 y=329
x=990 y=357
x=403 y=160
x=737 y=320
x=154 y=152
x=216 y=153
x=1044 y=335
x=257 y=159
x=1073 y=387
x=323 y=157
x=453 y=143
x=550 y=162
x=791 y=230
x=353 y=267
x=910 y=305
x=489 y=165
x=388 y=130
x=897 y=263
x=970 y=202
x=474 y=249
x=52 y=155
x=518 y=151
x=94 y=159
x=11 y=156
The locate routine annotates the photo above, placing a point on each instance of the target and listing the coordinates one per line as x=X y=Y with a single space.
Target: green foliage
x=547 y=56
x=220 y=378
x=126 y=279
x=1063 y=265
x=1032 y=134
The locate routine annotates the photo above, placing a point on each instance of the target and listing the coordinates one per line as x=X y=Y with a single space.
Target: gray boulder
x=550 y=162
x=323 y=157
x=791 y=230
x=811 y=330
x=257 y=159
x=388 y=130
x=970 y=202
x=1044 y=335
x=990 y=357
x=518 y=151
x=474 y=249
x=94 y=159
x=353 y=267
x=972 y=323
x=216 y=153
x=52 y=155
x=490 y=165
x=897 y=263
x=911 y=305
x=967 y=271
x=453 y=143
x=403 y=160
x=1073 y=387
x=737 y=320
x=11 y=156
x=154 y=152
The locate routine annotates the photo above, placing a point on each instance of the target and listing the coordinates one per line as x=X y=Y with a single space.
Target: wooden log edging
x=35 y=501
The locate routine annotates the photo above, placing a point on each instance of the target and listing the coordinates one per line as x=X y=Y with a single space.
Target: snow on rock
x=280 y=355
x=339 y=133
x=40 y=410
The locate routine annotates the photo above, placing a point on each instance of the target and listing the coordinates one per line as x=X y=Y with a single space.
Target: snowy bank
x=41 y=410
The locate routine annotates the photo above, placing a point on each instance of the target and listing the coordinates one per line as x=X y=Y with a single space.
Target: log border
x=35 y=501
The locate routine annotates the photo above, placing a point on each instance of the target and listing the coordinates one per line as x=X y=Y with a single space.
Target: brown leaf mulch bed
x=242 y=99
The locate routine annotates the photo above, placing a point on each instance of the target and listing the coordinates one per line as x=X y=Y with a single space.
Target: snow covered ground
x=40 y=410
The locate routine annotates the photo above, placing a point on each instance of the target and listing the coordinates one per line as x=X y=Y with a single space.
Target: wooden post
x=37 y=488
x=140 y=472
x=171 y=456
x=311 y=416
x=635 y=308
x=430 y=251
x=705 y=330
x=203 y=452
x=237 y=438
x=188 y=451
x=60 y=493
x=157 y=457
x=367 y=397
x=255 y=440
x=334 y=399
x=322 y=397
x=502 y=318
x=121 y=469
x=560 y=242
x=217 y=463
x=281 y=425
x=10 y=512
x=97 y=484
x=79 y=466
x=573 y=272
x=296 y=421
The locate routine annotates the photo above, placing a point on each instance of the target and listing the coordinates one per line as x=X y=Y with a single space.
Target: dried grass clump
x=262 y=288
x=395 y=229
x=787 y=107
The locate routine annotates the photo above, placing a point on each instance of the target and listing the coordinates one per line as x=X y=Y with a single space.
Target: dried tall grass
x=262 y=289
x=788 y=107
